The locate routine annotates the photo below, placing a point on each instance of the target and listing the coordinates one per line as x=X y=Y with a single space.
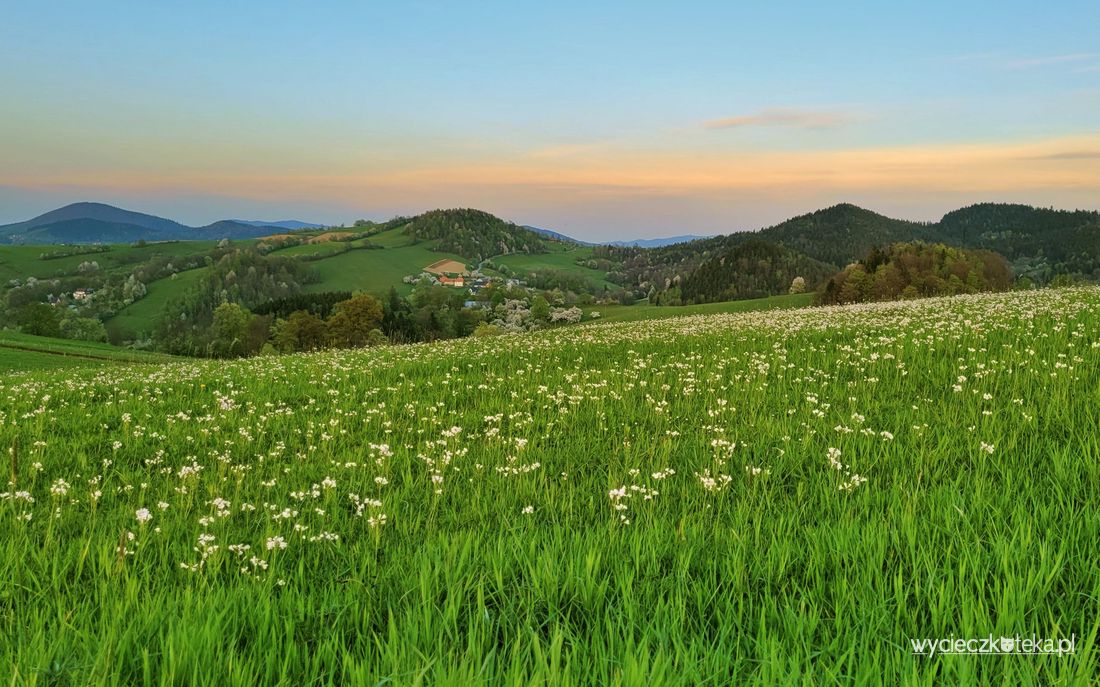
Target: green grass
x=311 y=249
x=25 y=352
x=644 y=311
x=20 y=262
x=686 y=524
x=392 y=238
x=561 y=259
x=375 y=271
x=138 y=319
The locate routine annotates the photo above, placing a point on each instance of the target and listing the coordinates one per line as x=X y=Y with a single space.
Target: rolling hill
x=288 y=224
x=101 y=223
x=474 y=234
x=755 y=269
x=1040 y=243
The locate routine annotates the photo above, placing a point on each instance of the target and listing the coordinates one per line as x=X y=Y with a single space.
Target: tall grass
x=667 y=502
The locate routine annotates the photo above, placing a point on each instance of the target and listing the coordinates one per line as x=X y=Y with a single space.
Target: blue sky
x=626 y=119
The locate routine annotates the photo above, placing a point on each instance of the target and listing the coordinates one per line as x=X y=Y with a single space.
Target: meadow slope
x=786 y=496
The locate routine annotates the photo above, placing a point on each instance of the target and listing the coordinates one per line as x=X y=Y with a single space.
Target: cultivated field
x=770 y=497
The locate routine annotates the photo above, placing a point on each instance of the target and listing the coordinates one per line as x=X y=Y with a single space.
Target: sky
x=601 y=120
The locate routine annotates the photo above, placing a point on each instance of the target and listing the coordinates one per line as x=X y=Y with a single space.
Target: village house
x=457 y=282
x=83 y=294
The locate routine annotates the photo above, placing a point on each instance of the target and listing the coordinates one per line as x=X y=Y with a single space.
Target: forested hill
x=842 y=233
x=471 y=233
x=751 y=270
x=1040 y=242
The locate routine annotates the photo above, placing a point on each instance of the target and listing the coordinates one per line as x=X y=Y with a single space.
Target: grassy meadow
x=645 y=311
x=777 y=497
x=560 y=258
x=20 y=262
x=21 y=352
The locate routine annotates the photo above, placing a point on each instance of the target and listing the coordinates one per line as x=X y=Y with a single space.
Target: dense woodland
x=751 y=270
x=1041 y=244
x=916 y=270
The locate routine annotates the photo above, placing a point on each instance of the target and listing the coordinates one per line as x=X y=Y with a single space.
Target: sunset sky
x=600 y=120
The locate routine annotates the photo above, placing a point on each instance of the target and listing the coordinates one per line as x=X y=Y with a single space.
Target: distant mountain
x=288 y=224
x=633 y=243
x=100 y=223
x=93 y=211
x=556 y=236
x=656 y=243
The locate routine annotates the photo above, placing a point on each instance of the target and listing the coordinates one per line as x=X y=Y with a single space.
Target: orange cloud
x=1062 y=164
x=802 y=119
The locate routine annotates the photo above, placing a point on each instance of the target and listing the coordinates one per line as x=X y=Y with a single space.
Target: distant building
x=83 y=294
x=457 y=282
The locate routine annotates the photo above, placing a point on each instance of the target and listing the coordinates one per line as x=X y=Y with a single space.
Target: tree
x=132 y=289
x=798 y=285
x=353 y=320
x=39 y=319
x=540 y=309
x=83 y=329
x=229 y=331
x=398 y=323
x=301 y=331
x=568 y=315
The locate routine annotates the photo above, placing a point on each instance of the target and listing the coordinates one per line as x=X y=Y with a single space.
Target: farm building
x=452 y=281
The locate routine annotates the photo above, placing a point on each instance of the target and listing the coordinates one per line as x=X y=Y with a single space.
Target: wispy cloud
x=1069 y=155
x=1029 y=62
x=1016 y=62
x=801 y=119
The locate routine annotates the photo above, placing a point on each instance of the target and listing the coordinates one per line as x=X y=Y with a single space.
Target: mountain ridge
x=92 y=222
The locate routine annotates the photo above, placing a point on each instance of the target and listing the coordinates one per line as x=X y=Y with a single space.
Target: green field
x=20 y=262
x=644 y=311
x=561 y=259
x=138 y=319
x=780 y=497
x=24 y=352
x=375 y=271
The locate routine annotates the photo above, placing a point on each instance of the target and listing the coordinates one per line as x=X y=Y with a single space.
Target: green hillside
x=375 y=271
x=20 y=262
x=560 y=257
x=772 y=498
x=137 y=319
x=644 y=311
x=1040 y=243
x=19 y=352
